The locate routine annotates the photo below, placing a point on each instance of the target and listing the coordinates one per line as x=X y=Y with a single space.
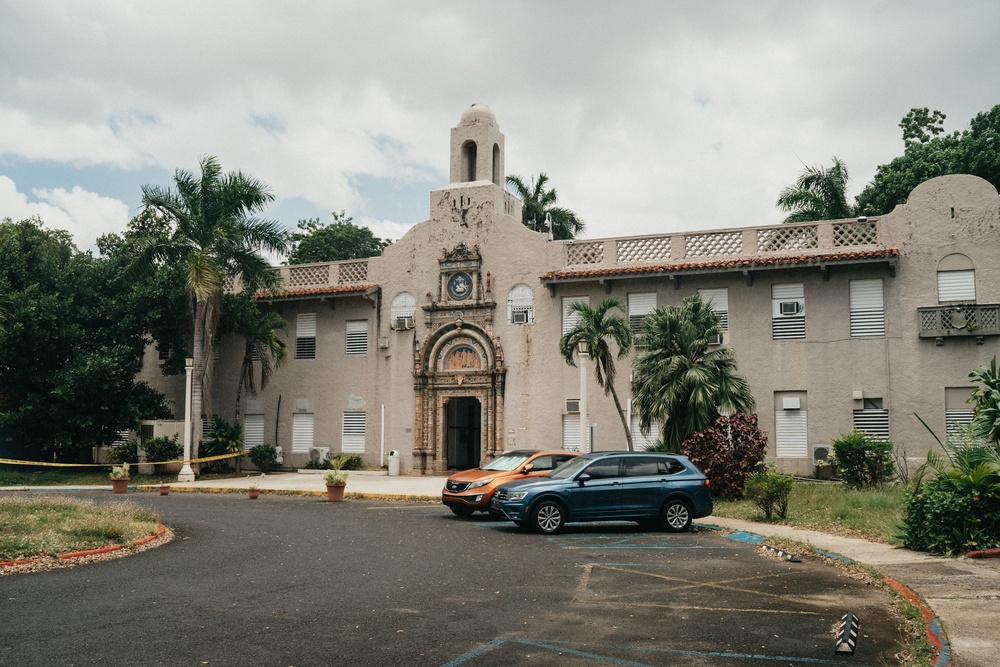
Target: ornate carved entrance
x=457 y=369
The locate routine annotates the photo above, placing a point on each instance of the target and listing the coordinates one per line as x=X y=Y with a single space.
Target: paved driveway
x=297 y=581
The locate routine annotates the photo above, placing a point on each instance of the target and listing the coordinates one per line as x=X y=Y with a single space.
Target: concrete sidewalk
x=964 y=594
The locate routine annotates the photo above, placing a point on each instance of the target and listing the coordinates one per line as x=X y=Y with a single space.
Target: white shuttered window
x=956 y=285
x=788 y=311
x=305 y=336
x=357 y=337
x=791 y=433
x=302 y=432
x=867 y=308
x=640 y=441
x=873 y=419
x=718 y=299
x=253 y=431
x=353 y=433
x=640 y=304
x=570 y=319
x=571 y=433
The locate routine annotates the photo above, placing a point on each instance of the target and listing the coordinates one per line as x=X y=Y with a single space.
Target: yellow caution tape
x=108 y=465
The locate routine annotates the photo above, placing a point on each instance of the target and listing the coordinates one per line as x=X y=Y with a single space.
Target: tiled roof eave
x=723 y=266
x=318 y=292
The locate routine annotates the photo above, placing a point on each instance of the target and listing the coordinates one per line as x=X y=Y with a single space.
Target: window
x=305 y=336
x=956 y=285
x=957 y=412
x=571 y=433
x=640 y=441
x=401 y=312
x=788 y=312
x=353 y=432
x=357 y=337
x=872 y=419
x=520 y=305
x=718 y=299
x=640 y=304
x=302 y=432
x=790 y=425
x=867 y=308
x=570 y=318
x=604 y=468
x=253 y=431
x=549 y=462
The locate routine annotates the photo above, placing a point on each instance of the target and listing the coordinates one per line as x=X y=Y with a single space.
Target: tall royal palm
x=678 y=381
x=215 y=236
x=539 y=208
x=598 y=326
x=818 y=194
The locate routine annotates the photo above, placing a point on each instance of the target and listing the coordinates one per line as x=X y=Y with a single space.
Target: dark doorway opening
x=464 y=424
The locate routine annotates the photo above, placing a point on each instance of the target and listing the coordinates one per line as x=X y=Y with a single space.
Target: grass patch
x=871 y=514
x=32 y=525
x=97 y=476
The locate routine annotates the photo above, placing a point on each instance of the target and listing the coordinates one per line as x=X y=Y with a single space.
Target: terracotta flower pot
x=335 y=492
x=253 y=493
x=119 y=485
x=165 y=490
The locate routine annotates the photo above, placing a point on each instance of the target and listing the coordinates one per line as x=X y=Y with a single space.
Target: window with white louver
x=357 y=337
x=353 y=432
x=571 y=433
x=718 y=299
x=867 y=308
x=640 y=304
x=253 y=431
x=642 y=442
x=788 y=312
x=791 y=433
x=305 y=336
x=302 y=432
x=873 y=419
x=571 y=318
x=956 y=285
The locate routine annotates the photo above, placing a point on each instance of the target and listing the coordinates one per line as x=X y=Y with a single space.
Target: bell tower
x=477 y=147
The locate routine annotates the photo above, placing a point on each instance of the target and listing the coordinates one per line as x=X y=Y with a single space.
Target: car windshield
x=506 y=462
x=569 y=468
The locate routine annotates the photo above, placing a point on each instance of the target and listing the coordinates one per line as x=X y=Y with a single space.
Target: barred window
x=520 y=305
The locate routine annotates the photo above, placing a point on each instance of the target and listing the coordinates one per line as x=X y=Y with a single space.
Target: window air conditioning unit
x=318 y=454
x=572 y=405
x=404 y=323
x=791 y=403
x=715 y=339
x=520 y=317
x=790 y=307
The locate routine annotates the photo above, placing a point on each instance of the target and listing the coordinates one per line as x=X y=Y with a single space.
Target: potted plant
x=335 y=483
x=254 y=489
x=164 y=489
x=119 y=478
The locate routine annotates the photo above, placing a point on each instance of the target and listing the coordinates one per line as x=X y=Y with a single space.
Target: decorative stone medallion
x=459 y=286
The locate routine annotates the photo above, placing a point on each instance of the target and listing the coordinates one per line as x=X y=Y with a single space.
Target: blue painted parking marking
x=749 y=538
x=632 y=542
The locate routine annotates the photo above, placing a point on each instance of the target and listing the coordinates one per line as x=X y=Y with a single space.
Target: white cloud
x=86 y=215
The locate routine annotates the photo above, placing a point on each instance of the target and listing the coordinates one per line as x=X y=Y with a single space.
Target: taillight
x=707 y=482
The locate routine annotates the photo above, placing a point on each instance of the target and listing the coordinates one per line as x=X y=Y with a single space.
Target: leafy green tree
x=819 y=193
x=214 y=236
x=69 y=358
x=678 y=381
x=928 y=153
x=598 y=326
x=342 y=239
x=540 y=213
x=986 y=419
x=261 y=344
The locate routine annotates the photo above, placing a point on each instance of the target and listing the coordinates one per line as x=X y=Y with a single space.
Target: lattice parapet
x=779 y=239
x=713 y=244
x=587 y=252
x=353 y=272
x=855 y=233
x=648 y=249
x=313 y=275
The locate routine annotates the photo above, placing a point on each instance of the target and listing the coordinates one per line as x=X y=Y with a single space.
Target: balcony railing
x=963 y=320
x=318 y=275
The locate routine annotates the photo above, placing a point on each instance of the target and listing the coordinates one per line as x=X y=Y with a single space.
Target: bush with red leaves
x=727 y=453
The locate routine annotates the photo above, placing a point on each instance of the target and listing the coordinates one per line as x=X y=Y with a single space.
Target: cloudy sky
x=648 y=117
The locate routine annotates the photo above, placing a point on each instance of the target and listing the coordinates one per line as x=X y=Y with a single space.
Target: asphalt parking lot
x=287 y=580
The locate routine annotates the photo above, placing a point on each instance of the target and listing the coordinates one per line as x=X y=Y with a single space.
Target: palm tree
x=596 y=326
x=540 y=213
x=678 y=381
x=214 y=236
x=261 y=344
x=818 y=194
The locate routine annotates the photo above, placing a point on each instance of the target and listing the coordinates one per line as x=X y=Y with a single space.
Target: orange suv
x=471 y=490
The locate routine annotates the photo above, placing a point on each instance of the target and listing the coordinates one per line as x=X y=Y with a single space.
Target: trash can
x=393 y=463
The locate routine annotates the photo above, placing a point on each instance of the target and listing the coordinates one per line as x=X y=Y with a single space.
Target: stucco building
x=445 y=348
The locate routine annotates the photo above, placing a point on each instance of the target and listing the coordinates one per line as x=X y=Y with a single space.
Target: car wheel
x=461 y=511
x=676 y=516
x=548 y=517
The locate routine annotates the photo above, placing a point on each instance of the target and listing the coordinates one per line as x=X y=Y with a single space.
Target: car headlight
x=516 y=495
x=479 y=483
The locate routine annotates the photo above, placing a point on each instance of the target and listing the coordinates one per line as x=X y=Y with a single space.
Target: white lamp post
x=584 y=356
x=187 y=474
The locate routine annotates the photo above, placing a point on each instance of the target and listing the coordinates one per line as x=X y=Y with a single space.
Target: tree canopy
x=72 y=348
x=342 y=239
x=818 y=194
x=539 y=211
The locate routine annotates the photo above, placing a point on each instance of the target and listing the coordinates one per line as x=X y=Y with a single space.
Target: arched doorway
x=463 y=424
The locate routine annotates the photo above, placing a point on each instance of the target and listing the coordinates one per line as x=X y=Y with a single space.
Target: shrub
x=226 y=438
x=864 y=461
x=162 y=449
x=769 y=490
x=727 y=453
x=125 y=453
x=344 y=461
x=265 y=457
x=944 y=519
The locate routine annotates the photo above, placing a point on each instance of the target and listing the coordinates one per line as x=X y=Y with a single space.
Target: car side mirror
x=583 y=477
x=526 y=469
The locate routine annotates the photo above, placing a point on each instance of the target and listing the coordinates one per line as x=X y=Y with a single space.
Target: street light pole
x=187 y=474
x=584 y=356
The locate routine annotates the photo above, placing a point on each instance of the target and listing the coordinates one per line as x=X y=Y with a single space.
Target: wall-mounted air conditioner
x=790 y=308
x=715 y=339
x=319 y=454
x=791 y=403
x=572 y=405
x=403 y=323
x=519 y=317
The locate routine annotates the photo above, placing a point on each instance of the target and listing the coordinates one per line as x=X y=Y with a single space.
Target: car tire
x=461 y=511
x=676 y=516
x=548 y=517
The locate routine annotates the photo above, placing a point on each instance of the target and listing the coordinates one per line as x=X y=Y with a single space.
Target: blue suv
x=664 y=490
